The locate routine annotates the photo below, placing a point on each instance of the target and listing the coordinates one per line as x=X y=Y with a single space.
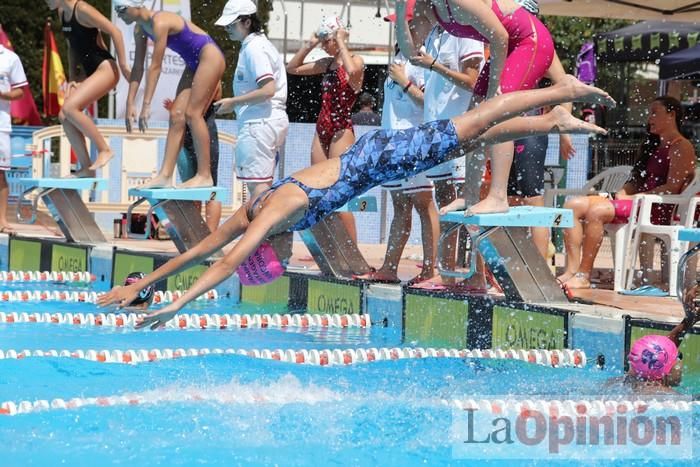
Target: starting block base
x=331 y=246
x=505 y=243
x=178 y=211
x=61 y=196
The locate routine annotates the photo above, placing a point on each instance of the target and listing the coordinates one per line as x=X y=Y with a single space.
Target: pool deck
x=599 y=301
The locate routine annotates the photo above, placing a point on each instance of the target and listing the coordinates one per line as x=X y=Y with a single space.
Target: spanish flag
x=24 y=111
x=54 y=80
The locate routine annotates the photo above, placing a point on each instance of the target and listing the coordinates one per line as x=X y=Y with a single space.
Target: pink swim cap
x=261 y=267
x=653 y=356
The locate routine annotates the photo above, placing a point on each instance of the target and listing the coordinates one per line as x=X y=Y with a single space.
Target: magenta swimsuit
x=530 y=48
x=188 y=45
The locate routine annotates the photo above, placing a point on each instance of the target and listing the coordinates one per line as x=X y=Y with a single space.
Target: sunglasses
x=120 y=9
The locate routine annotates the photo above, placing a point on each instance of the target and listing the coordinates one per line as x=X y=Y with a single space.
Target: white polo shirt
x=400 y=111
x=444 y=99
x=257 y=61
x=11 y=77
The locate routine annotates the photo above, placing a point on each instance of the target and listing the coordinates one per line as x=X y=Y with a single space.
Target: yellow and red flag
x=54 y=79
x=24 y=111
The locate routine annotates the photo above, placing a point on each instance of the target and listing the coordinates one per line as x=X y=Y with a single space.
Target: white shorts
x=445 y=171
x=257 y=148
x=410 y=185
x=5 y=151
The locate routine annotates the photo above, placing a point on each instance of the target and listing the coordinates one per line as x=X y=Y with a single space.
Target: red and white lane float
x=159 y=297
x=323 y=357
x=47 y=276
x=572 y=408
x=196 y=321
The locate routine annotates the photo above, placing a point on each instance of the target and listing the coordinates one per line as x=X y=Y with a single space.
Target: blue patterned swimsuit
x=378 y=157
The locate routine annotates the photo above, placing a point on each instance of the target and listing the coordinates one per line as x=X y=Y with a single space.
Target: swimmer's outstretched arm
x=277 y=212
x=228 y=231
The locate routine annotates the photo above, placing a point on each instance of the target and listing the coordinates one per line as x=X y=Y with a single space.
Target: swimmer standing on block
x=83 y=26
x=300 y=201
x=195 y=91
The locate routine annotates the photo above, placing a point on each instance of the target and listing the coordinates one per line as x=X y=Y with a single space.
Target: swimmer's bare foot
x=564 y=122
x=579 y=280
x=103 y=157
x=457 y=205
x=84 y=173
x=379 y=276
x=565 y=277
x=197 y=182
x=488 y=205
x=581 y=92
x=159 y=181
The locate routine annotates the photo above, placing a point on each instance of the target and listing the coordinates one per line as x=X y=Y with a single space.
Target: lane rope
x=46 y=276
x=196 y=321
x=573 y=408
x=159 y=297
x=323 y=357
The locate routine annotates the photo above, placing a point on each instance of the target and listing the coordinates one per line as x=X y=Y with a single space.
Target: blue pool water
x=252 y=411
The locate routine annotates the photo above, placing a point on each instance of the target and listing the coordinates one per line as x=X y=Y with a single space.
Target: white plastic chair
x=640 y=223
x=608 y=181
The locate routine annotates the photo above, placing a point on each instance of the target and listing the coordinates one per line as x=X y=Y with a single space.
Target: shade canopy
x=684 y=64
x=636 y=10
x=646 y=41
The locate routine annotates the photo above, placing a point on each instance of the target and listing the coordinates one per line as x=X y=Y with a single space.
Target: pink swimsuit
x=530 y=48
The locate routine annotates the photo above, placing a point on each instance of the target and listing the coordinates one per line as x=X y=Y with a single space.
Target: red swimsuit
x=337 y=100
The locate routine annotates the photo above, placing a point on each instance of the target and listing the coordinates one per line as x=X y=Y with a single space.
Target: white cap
x=329 y=25
x=127 y=3
x=235 y=8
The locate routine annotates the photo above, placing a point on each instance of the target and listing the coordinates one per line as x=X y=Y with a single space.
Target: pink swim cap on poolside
x=653 y=356
x=261 y=267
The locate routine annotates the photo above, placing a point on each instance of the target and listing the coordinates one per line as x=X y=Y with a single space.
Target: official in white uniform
x=12 y=80
x=260 y=97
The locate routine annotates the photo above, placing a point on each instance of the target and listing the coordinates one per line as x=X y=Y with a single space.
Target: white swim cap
x=127 y=3
x=329 y=25
x=530 y=5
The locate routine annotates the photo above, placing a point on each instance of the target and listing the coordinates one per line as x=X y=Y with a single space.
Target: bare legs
x=4 y=195
x=339 y=144
x=400 y=230
x=194 y=95
x=78 y=125
x=473 y=127
x=583 y=240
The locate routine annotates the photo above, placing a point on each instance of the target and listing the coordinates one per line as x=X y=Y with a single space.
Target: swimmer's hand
x=158 y=318
x=130 y=117
x=144 y=117
x=224 y=106
x=119 y=296
x=566 y=147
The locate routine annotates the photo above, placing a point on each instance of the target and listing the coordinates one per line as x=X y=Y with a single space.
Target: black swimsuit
x=83 y=41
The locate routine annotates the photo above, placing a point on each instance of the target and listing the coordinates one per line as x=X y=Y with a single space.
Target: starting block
x=332 y=247
x=176 y=209
x=62 y=198
x=504 y=241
